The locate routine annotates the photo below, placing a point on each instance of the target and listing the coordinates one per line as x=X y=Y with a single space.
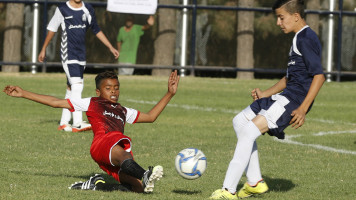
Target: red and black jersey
x=103 y=115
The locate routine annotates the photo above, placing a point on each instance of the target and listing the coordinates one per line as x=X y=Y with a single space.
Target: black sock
x=113 y=187
x=130 y=167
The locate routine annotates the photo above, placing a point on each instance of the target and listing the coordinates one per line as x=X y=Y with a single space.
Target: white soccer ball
x=190 y=163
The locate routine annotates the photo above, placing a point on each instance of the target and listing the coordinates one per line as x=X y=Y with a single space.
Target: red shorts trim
x=101 y=147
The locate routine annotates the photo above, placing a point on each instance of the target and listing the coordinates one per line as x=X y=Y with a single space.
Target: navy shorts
x=73 y=70
x=277 y=110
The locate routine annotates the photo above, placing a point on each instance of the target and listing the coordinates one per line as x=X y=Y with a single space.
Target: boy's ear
x=97 y=92
x=297 y=17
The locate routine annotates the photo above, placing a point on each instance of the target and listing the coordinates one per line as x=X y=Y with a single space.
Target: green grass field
x=316 y=161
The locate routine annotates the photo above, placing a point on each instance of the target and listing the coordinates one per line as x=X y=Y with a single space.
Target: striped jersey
x=74 y=23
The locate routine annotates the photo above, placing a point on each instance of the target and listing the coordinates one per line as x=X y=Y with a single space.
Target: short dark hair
x=104 y=75
x=291 y=6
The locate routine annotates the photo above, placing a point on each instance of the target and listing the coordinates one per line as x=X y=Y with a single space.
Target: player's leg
x=246 y=139
x=74 y=74
x=247 y=136
x=253 y=171
x=66 y=114
x=132 y=173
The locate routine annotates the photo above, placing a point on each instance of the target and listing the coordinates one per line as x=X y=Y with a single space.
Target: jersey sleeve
x=55 y=21
x=132 y=115
x=311 y=51
x=94 y=24
x=79 y=104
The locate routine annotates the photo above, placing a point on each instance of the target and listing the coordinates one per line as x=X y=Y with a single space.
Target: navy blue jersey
x=303 y=64
x=74 y=23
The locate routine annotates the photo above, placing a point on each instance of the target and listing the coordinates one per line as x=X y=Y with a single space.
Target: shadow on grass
x=277 y=184
x=186 y=192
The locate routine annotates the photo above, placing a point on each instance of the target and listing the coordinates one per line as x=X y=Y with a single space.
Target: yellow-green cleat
x=247 y=190
x=222 y=194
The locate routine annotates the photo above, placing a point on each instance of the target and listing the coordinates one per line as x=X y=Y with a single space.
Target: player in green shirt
x=128 y=40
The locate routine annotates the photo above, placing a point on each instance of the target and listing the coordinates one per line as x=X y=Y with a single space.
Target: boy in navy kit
x=286 y=103
x=110 y=149
x=74 y=17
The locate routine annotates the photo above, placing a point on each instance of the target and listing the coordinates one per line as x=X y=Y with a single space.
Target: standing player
x=110 y=148
x=75 y=18
x=271 y=110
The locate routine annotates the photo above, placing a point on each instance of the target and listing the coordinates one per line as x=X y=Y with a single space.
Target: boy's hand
x=151 y=20
x=256 y=94
x=13 y=91
x=42 y=56
x=298 y=118
x=173 y=82
x=115 y=52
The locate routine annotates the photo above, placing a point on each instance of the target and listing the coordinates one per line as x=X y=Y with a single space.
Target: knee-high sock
x=77 y=89
x=253 y=171
x=130 y=167
x=66 y=115
x=246 y=138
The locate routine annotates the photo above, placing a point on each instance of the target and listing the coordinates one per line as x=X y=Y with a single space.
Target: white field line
x=209 y=109
x=187 y=107
x=288 y=139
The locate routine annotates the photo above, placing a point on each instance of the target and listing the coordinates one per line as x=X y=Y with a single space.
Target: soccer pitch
x=317 y=161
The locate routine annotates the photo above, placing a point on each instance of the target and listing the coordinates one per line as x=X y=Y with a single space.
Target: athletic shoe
x=152 y=175
x=89 y=184
x=82 y=127
x=247 y=190
x=222 y=194
x=65 y=127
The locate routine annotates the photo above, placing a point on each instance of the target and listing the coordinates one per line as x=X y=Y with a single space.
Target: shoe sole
x=75 y=130
x=157 y=173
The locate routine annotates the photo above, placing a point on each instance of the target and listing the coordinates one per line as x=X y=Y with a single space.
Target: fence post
x=35 y=36
x=193 y=39
x=330 y=40
x=339 y=41
x=184 y=39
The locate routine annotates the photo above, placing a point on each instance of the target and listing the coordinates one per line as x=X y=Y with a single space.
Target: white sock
x=66 y=115
x=246 y=139
x=253 y=171
x=77 y=89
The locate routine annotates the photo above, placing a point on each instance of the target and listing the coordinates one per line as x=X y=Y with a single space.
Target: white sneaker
x=65 y=127
x=152 y=175
x=82 y=127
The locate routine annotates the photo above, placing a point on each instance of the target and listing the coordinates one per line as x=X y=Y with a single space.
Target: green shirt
x=129 y=43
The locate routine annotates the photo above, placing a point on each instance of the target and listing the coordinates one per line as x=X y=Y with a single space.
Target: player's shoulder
x=88 y=6
x=63 y=6
x=307 y=34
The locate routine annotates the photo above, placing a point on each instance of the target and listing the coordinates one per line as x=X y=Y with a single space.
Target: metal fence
x=217 y=55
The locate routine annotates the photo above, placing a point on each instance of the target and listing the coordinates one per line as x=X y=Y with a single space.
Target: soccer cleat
x=247 y=190
x=65 y=127
x=222 y=194
x=82 y=127
x=152 y=175
x=89 y=184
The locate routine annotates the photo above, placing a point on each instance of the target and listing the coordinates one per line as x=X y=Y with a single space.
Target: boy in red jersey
x=110 y=148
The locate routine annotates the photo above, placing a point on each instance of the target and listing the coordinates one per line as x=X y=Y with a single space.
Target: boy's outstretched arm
x=152 y=115
x=16 y=91
x=299 y=113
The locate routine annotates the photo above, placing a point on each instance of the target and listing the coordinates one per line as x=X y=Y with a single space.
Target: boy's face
x=109 y=90
x=285 y=20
